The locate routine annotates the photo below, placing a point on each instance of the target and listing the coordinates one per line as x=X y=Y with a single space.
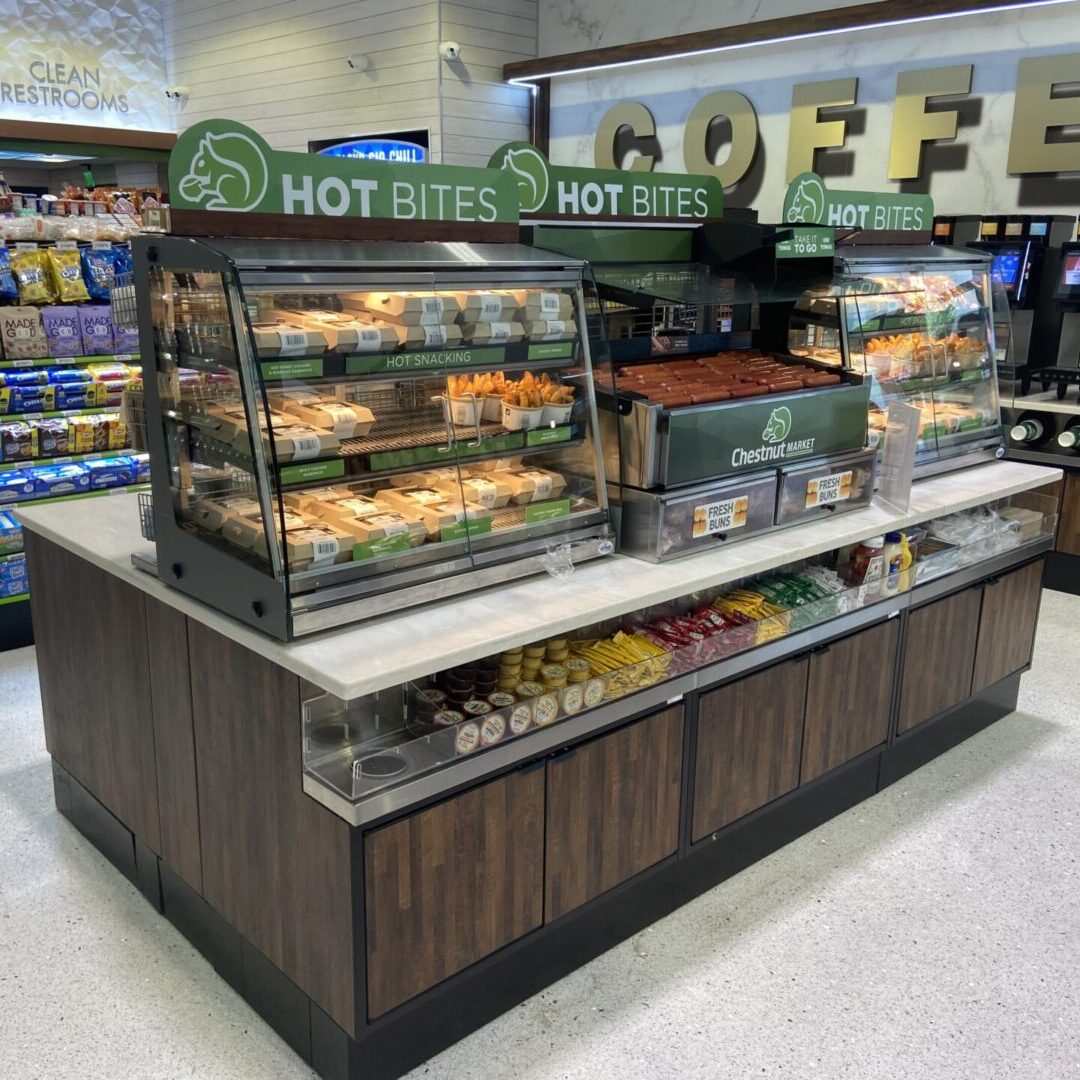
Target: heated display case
x=340 y=430
x=920 y=322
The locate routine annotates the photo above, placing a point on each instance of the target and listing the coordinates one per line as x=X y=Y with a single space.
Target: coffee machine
x=1026 y=251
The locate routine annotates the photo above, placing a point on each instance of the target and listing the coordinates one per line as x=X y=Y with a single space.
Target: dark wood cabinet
x=1007 y=625
x=612 y=809
x=1068 y=534
x=449 y=885
x=939 y=655
x=749 y=742
x=849 y=693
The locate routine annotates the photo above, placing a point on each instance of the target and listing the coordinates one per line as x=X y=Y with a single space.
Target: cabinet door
x=749 y=740
x=1007 y=626
x=848 y=696
x=939 y=656
x=449 y=885
x=612 y=809
x=1068 y=535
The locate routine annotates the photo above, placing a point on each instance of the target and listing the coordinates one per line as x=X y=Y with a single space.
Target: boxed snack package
x=13 y=577
x=287 y=339
x=62 y=330
x=344 y=332
x=491 y=333
x=532 y=485
x=544 y=304
x=312 y=500
x=110 y=472
x=61 y=480
x=212 y=514
x=18 y=441
x=550 y=329
x=11 y=537
x=22 y=333
x=51 y=437
x=140 y=463
x=117 y=435
x=15 y=486
x=95 y=323
x=406 y=308
x=490 y=491
x=68 y=375
x=27 y=399
x=383 y=525
x=24 y=378
x=495 y=306
x=436 y=509
x=81 y=431
x=345 y=420
x=76 y=396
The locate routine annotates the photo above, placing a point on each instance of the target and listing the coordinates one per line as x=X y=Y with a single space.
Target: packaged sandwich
x=345 y=332
x=491 y=333
x=406 y=308
x=495 y=306
x=550 y=329
x=345 y=420
x=531 y=485
x=287 y=339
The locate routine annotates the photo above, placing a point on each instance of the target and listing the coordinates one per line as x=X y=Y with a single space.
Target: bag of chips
x=31 y=270
x=66 y=273
x=8 y=289
x=99 y=271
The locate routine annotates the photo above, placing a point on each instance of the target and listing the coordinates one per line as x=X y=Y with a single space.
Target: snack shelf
x=17 y=599
x=121 y=489
x=418 y=730
x=67 y=361
x=95 y=410
x=65 y=459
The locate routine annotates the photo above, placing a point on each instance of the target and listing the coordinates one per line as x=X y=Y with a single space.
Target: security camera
x=175 y=93
x=450 y=50
x=358 y=62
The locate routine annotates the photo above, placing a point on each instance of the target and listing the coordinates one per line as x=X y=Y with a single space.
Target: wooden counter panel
x=939 y=655
x=449 y=885
x=749 y=743
x=95 y=682
x=848 y=698
x=1068 y=534
x=612 y=809
x=275 y=863
x=174 y=740
x=1007 y=625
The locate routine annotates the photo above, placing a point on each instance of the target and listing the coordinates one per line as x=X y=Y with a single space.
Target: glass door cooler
x=342 y=430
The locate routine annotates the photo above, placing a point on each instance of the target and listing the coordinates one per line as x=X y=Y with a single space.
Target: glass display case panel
x=213 y=463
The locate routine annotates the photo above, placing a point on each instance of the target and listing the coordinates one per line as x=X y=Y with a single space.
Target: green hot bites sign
x=557 y=191
x=222 y=165
x=746 y=435
x=810 y=202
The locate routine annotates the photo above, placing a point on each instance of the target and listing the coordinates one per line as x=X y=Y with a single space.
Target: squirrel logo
x=227 y=172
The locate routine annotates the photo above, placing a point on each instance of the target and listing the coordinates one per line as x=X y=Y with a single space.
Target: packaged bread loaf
x=406 y=308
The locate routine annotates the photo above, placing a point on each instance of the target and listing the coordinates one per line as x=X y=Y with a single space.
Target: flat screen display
x=1006 y=268
x=1068 y=283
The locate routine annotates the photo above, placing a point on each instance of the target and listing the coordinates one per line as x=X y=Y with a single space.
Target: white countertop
x=1047 y=401
x=393 y=649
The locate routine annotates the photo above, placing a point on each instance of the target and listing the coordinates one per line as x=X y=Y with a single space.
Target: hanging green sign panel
x=810 y=202
x=546 y=190
x=223 y=165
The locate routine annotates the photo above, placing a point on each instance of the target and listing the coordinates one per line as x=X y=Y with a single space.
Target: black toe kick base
x=421 y=1028
x=924 y=743
x=1062 y=572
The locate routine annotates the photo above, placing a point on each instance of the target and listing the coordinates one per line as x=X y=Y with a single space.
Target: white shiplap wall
x=281 y=68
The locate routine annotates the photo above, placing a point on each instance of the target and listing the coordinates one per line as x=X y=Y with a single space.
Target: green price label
x=311 y=471
x=543 y=436
x=547 y=511
x=461 y=529
x=497 y=444
x=311 y=368
x=360 y=364
x=551 y=350
x=385 y=546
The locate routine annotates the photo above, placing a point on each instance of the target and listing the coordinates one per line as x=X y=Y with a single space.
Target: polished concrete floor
x=932 y=932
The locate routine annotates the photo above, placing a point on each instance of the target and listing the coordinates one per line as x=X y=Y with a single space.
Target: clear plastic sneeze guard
x=368 y=746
